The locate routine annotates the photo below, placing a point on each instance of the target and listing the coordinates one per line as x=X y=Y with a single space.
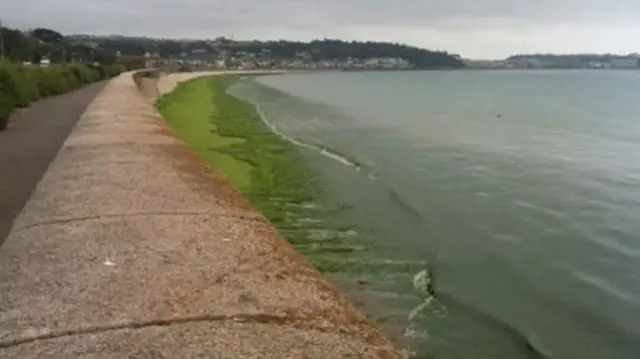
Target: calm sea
x=517 y=191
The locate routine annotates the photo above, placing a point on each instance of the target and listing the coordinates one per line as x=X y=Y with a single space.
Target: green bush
x=84 y=74
x=22 y=84
x=115 y=70
x=30 y=83
x=12 y=86
x=5 y=112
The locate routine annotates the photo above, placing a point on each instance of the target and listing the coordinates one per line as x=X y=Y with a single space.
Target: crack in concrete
x=240 y=318
x=250 y=217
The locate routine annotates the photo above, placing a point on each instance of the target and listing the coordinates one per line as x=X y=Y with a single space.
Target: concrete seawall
x=130 y=247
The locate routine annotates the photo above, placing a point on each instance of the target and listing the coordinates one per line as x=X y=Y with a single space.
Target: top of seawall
x=130 y=247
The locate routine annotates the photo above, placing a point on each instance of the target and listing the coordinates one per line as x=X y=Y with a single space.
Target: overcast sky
x=471 y=28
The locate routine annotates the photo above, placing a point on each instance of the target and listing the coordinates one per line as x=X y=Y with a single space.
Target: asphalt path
x=31 y=142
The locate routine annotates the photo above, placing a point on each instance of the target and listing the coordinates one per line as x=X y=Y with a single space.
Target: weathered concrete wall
x=129 y=247
x=147 y=82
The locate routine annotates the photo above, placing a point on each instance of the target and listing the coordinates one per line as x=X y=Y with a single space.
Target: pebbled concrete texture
x=130 y=247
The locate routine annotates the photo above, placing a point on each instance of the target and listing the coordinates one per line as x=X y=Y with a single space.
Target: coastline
x=323 y=150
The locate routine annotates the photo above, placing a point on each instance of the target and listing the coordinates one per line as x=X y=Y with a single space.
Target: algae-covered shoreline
x=228 y=134
x=273 y=173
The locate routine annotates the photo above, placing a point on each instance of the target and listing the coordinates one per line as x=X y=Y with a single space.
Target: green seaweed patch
x=230 y=136
x=187 y=110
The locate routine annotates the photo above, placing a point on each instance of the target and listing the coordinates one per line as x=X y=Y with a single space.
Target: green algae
x=229 y=135
x=187 y=110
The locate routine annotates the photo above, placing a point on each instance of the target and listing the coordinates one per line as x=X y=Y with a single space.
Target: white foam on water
x=321 y=150
x=421 y=282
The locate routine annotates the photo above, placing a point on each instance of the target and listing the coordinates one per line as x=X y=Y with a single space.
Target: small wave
x=601 y=284
x=405 y=205
x=440 y=304
x=338 y=157
x=321 y=149
x=530 y=347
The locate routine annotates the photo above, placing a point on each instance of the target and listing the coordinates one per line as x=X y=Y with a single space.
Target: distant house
x=45 y=62
x=624 y=63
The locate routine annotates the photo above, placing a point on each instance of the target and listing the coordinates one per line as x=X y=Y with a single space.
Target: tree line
x=326 y=49
x=39 y=43
x=34 y=45
x=329 y=49
x=73 y=65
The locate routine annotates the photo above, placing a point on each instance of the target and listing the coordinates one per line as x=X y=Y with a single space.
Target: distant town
x=550 y=61
x=243 y=60
x=224 y=53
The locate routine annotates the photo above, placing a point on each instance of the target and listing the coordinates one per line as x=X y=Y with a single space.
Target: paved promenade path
x=130 y=248
x=29 y=145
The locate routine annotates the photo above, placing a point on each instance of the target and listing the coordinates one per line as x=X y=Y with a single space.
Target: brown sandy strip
x=130 y=247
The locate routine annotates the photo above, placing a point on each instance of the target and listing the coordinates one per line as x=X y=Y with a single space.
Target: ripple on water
x=605 y=286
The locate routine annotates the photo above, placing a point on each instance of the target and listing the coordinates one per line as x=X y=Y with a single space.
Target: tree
x=47 y=35
x=34 y=45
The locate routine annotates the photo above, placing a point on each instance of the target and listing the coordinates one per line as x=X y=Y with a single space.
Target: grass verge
x=20 y=85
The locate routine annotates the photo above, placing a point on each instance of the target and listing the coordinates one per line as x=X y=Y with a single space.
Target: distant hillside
x=319 y=50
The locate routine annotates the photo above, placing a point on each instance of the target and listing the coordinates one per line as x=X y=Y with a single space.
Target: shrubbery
x=20 y=85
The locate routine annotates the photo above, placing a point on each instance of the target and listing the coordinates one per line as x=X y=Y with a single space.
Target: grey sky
x=472 y=28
